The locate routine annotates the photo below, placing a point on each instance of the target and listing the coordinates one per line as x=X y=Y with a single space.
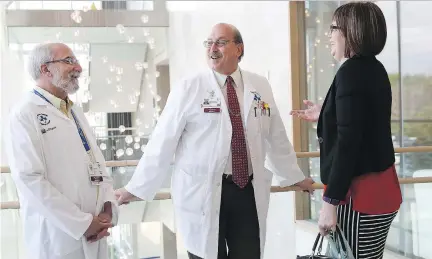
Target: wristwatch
x=331 y=201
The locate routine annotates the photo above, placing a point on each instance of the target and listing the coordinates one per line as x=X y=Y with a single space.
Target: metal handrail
x=123 y=163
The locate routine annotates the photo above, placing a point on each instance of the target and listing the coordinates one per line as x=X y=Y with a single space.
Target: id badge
x=95 y=173
x=211 y=104
x=212 y=110
x=96 y=180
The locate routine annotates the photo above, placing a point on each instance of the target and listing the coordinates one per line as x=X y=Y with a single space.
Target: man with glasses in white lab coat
x=66 y=196
x=227 y=136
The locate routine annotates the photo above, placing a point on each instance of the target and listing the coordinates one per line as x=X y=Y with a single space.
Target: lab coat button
x=218 y=184
x=217 y=211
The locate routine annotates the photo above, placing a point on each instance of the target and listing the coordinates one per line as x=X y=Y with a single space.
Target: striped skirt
x=366 y=234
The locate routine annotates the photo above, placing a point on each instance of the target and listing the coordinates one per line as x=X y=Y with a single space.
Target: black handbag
x=317 y=246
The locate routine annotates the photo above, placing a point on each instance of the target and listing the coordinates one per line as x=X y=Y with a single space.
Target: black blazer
x=354 y=130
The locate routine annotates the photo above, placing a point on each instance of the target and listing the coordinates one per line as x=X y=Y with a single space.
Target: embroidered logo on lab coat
x=43 y=119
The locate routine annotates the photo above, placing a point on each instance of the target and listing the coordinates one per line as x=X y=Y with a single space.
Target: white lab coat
x=50 y=173
x=201 y=144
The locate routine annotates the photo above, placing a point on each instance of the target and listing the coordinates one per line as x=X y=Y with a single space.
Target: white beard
x=69 y=84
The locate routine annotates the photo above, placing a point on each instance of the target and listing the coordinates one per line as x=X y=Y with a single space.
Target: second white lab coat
x=201 y=144
x=49 y=168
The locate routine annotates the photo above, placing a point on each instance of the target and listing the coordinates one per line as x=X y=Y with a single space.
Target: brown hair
x=364 y=27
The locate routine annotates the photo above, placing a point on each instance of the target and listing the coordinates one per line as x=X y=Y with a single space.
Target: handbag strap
x=317 y=245
x=341 y=237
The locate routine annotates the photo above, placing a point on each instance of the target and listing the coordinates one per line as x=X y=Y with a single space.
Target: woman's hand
x=328 y=218
x=310 y=114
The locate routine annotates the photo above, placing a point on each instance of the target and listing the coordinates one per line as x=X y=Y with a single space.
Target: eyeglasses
x=68 y=60
x=333 y=28
x=219 y=43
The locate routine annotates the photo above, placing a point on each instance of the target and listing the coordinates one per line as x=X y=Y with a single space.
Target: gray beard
x=68 y=85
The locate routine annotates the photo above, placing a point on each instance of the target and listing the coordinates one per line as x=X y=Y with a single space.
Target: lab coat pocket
x=61 y=243
x=189 y=192
x=264 y=123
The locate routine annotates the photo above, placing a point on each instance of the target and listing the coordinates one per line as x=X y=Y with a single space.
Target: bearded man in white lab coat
x=66 y=196
x=227 y=137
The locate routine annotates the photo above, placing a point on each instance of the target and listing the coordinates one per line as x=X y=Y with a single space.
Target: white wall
x=265 y=30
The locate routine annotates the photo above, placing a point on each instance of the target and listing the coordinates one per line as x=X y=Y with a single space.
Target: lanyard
x=80 y=131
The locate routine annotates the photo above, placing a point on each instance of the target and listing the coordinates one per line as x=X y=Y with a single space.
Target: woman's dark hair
x=364 y=27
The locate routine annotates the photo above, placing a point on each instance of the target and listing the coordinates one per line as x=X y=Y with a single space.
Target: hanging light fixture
x=102 y=146
x=129 y=151
x=120 y=28
x=128 y=139
x=144 y=18
x=122 y=128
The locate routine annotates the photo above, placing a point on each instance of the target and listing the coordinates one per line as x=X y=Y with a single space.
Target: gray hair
x=38 y=56
x=238 y=39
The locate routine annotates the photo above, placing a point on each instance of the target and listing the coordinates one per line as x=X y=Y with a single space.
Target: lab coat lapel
x=249 y=94
x=215 y=86
x=49 y=107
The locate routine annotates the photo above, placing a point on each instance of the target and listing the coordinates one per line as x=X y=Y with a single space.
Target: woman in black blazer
x=362 y=193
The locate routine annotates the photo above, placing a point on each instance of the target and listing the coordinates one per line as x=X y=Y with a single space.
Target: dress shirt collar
x=221 y=79
x=56 y=102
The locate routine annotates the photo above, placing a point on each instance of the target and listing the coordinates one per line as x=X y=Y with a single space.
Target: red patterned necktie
x=240 y=172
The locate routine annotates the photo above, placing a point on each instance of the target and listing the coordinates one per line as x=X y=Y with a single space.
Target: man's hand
x=99 y=236
x=97 y=228
x=306 y=185
x=123 y=196
x=106 y=217
x=106 y=214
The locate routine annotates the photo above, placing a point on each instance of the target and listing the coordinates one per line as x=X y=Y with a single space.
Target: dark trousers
x=238 y=223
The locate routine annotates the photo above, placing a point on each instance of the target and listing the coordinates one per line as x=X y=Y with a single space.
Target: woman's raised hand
x=310 y=114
